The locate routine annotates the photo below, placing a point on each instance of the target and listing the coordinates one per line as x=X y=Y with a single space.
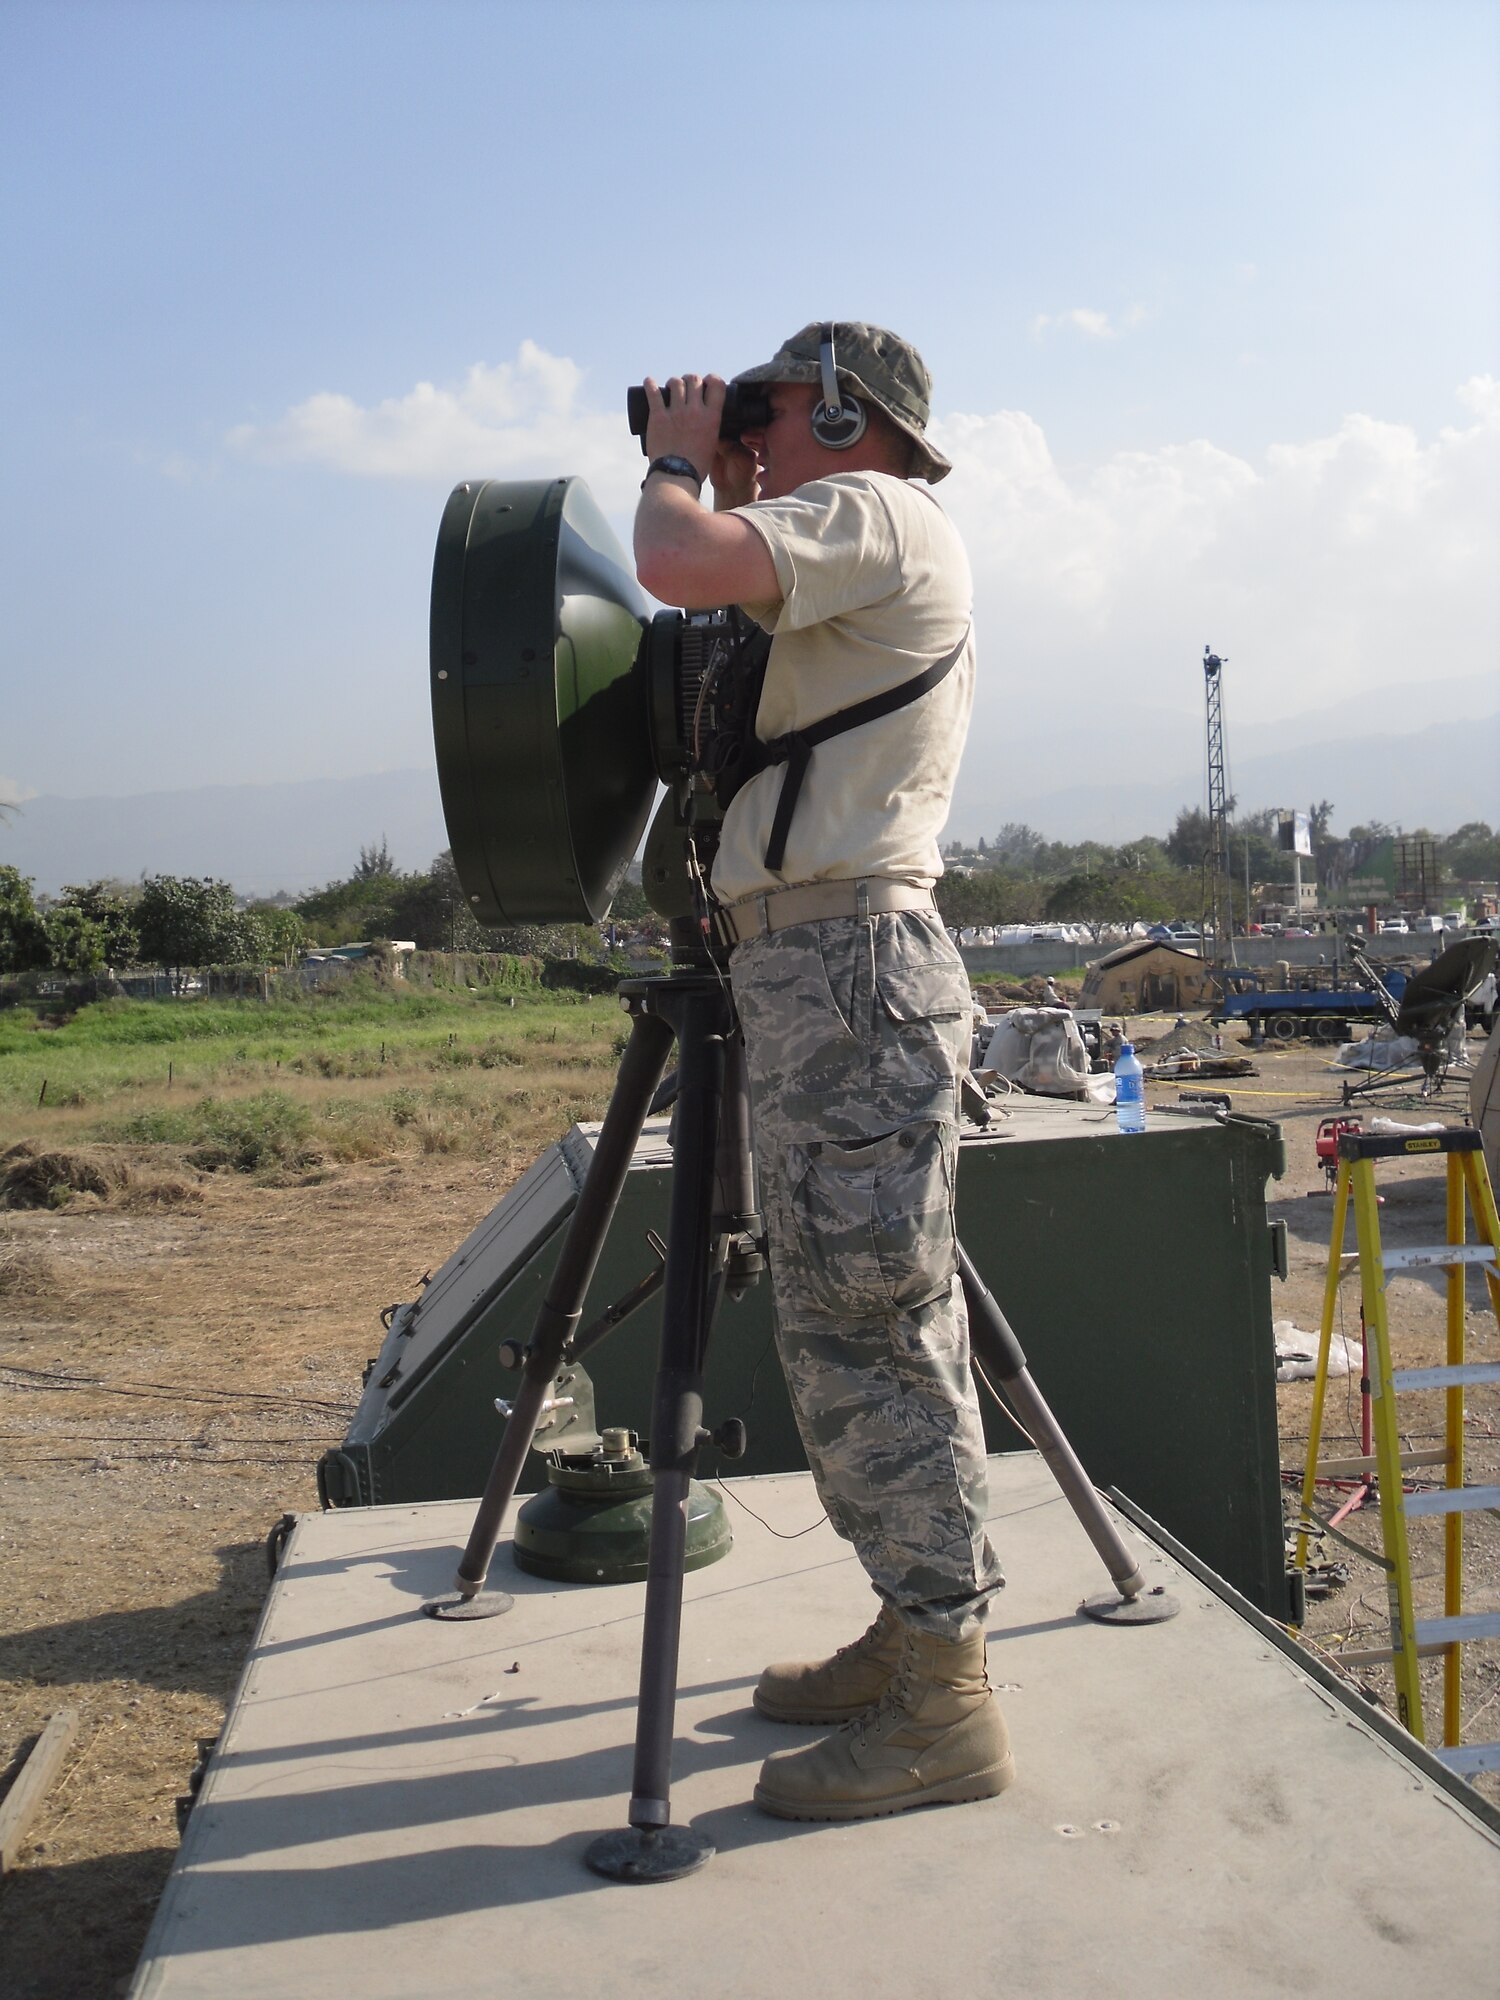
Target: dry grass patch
x=26 y=1271
x=144 y=1191
x=31 y=1177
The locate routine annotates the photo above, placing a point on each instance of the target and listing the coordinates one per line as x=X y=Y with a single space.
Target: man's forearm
x=666 y=521
x=688 y=556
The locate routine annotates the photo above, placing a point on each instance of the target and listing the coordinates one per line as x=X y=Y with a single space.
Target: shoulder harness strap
x=795 y=749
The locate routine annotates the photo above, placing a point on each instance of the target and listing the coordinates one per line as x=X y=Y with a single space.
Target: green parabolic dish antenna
x=539 y=708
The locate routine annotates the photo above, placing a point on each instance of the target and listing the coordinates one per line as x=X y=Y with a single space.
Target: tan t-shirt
x=875 y=588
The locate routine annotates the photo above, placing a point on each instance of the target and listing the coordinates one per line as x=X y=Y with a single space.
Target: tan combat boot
x=935 y=1738
x=834 y=1690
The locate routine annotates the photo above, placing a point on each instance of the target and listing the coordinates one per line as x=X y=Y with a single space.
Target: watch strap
x=677 y=466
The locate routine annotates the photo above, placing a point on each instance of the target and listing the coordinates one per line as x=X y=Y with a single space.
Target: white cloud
x=1325 y=568
x=1088 y=320
x=1322 y=567
x=517 y=419
x=14 y=793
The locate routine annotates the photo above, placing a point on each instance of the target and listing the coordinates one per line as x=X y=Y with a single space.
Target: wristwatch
x=680 y=468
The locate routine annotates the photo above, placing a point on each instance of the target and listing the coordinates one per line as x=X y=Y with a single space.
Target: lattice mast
x=1218 y=892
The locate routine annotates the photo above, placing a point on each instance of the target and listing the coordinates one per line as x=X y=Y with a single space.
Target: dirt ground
x=169 y=1378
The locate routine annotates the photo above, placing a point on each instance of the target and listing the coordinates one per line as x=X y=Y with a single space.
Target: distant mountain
x=1438 y=777
x=1125 y=774
x=259 y=837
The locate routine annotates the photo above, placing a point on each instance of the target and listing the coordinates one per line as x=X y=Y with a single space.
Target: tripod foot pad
x=460 y=1610
x=1151 y=1607
x=649 y=1854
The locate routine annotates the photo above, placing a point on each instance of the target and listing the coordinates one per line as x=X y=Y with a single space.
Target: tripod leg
x=653 y=1849
x=737 y=1208
x=640 y=1071
x=999 y=1354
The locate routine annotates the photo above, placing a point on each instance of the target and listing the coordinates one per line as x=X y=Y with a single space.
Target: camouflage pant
x=856 y=1032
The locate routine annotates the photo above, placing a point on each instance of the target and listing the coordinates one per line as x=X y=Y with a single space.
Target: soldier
x=855 y=1009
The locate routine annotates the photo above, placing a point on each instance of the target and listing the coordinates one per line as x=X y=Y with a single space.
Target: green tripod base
x=591 y=1522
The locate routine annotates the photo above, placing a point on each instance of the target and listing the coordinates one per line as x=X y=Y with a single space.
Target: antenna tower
x=1218 y=893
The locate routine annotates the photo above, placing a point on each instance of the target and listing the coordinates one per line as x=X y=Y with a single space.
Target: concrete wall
x=1021 y=960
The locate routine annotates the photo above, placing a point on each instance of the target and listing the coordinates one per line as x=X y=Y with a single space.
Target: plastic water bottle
x=1130 y=1091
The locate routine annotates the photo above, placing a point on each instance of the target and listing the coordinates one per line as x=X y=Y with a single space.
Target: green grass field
x=359 y=1071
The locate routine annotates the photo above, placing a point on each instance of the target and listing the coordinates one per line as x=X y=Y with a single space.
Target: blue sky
x=1211 y=293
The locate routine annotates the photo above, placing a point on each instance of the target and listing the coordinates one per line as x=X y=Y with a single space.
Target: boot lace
x=865 y=1640
x=893 y=1702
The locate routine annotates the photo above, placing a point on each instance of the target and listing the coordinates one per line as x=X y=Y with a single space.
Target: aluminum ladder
x=1413 y=1638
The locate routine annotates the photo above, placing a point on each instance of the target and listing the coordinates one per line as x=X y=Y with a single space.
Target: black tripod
x=711 y=1231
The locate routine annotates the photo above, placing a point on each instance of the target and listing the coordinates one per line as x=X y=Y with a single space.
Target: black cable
x=797 y=1535
x=1003 y=1407
x=54 y=1379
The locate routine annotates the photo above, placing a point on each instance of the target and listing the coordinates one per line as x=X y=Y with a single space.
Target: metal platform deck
x=400 y=1808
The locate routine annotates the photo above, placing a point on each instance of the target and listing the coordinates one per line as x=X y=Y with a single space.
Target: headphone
x=838 y=421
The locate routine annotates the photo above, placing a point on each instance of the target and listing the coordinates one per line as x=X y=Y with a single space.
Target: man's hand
x=735 y=476
x=685 y=555
x=688 y=426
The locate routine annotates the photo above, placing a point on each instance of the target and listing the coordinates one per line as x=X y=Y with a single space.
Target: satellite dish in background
x=1434 y=997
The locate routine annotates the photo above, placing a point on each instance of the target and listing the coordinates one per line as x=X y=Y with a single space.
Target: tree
x=1146 y=854
x=102 y=903
x=282 y=931
x=1190 y=839
x=1258 y=833
x=23 y=934
x=1016 y=845
x=433 y=911
x=629 y=905
x=375 y=863
x=244 y=939
x=989 y=896
x=1328 y=851
x=1085 y=899
x=1472 y=854
x=1122 y=896
x=184 y=921
x=364 y=906
x=79 y=947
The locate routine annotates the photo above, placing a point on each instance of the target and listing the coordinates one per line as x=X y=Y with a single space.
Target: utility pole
x=1220 y=893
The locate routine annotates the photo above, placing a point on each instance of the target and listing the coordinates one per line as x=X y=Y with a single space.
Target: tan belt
x=757 y=916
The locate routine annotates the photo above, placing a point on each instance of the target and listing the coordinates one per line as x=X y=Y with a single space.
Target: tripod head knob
x=731 y=1437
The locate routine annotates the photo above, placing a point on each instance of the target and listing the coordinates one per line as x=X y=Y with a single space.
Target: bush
x=579 y=975
x=244 y=1134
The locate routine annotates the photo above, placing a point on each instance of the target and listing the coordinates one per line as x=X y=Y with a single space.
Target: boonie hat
x=871 y=363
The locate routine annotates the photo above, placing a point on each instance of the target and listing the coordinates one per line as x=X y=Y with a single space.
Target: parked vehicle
x=1325 y=1003
x=1393 y=927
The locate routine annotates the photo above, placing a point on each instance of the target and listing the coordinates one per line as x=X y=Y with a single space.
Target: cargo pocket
x=918 y=975
x=874 y=1220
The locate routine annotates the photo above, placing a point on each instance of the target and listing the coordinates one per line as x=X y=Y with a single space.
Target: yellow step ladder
x=1413 y=1638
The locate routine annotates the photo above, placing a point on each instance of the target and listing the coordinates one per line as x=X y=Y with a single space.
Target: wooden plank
x=1346 y=1468
x=19 y=1806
